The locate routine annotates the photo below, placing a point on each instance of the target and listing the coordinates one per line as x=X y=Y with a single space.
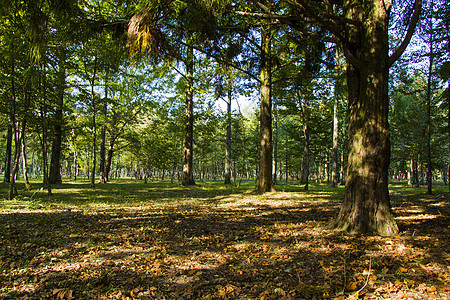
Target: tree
x=55 y=161
x=265 y=179
x=364 y=40
x=170 y=30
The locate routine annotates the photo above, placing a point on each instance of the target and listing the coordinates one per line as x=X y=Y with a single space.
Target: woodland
x=215 y=149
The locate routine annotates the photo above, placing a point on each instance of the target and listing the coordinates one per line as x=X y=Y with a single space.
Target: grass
x=130 y=240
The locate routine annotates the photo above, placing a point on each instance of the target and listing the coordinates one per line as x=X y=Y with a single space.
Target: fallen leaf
x=351 y=286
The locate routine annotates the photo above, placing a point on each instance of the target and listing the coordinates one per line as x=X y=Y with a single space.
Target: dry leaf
x=351 y=286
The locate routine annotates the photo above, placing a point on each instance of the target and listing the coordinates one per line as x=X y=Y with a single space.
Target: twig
x=365 y=284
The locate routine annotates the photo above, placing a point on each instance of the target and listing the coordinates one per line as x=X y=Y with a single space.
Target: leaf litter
x=221 y=246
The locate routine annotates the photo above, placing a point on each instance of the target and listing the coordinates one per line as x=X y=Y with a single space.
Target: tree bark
x=366 y=208
x=228 y=142
x=25 y=165
x=109 y=160
x=94 y=125
x=265 y=182
x=45 y=182
x=188 y=172
x=305 y=159
x=334 y=159
x=430 y=69
x=103 y=177
x=55 y=161
x=8 y=156
x=275 y=143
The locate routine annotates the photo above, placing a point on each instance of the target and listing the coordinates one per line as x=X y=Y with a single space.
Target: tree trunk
x=275 y=143
x=366 y=208
x=265 y=182
x=12 y=185
x=24 y=164
x=8 y=158
x=228 y=146
x=45 y=183
x=94 y=126
x=305 y=159
x=55 y=161
x=430 y=69
x=109 y=160
x=334 y=159
x=174 y=165
x=103 y=178
x=188 y=172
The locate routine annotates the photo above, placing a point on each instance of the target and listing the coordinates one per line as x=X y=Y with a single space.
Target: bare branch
x=412 y=26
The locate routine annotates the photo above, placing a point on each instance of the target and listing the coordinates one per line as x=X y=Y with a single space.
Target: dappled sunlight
x=179 y=243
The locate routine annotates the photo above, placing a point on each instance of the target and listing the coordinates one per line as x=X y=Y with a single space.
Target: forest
x=216 y=149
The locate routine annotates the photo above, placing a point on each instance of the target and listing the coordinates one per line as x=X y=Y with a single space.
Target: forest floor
x=129 y=240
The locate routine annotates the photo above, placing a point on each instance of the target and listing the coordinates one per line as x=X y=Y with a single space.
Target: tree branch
x=332 y=28
x=412 y=26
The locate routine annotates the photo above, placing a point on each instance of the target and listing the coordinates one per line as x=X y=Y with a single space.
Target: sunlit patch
x=161 y=241
x=416 y=217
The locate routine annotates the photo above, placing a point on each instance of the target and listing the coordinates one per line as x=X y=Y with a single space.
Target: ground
x=129 y=240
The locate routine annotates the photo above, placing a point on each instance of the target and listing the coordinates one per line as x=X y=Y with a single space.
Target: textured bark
x=430 y=69
x=8 y=156
x=334 y=159
x=275 y=143
x=265 y=183
x=109 y=160
x=366 y=208
x=228 y=142
x=45 y=183
x=305 y=159
x=103 y=178
x=55 y=165
x=94 y=125
x=188 y=172
x=25 y=165
x=55 y=161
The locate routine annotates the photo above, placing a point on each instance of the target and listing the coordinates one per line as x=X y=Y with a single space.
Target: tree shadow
x=219 y=246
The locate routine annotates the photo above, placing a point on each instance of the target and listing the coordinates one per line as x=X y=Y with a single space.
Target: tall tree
x=228 y=141
x=265 y=179
x=188 y=157
x=55 y=160
x=362 y=32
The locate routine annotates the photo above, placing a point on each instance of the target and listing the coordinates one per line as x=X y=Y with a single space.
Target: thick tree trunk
x=109 y=160
x=366 y=208
x=103 y=178
x=430 y=69
x=18 y=143
x=94 y=125
x=334 y=159
x=188 y=172
x=305 y=159
x=25 y=165
x=55 y=165
x=8 y=156
x=45 y=182
x=275 y=143
x=12 y=184
x=55 y=161
x=265 y=182
x=228 y=142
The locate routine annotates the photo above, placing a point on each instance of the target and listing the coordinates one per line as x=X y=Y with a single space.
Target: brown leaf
x=351 y=286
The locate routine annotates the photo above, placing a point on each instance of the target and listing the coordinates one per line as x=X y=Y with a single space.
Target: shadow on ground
x=210 y=243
